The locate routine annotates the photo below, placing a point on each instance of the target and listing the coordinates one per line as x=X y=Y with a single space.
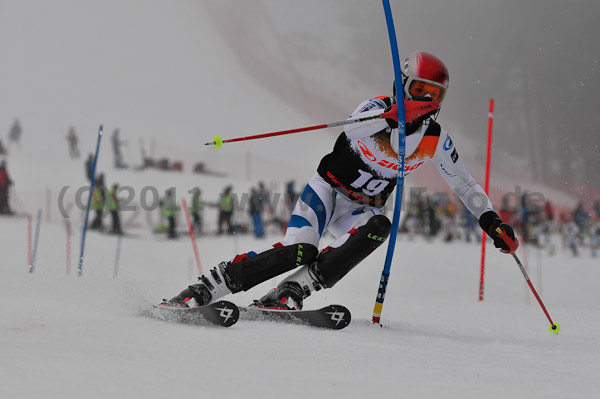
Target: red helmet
x=424 y=75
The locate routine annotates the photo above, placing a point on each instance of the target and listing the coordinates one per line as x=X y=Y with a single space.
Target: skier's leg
x=335 y=261
x=360 y=231
x=299 y=247
x=244 y=272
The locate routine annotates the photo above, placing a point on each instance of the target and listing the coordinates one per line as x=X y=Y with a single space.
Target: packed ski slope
x=64 y=336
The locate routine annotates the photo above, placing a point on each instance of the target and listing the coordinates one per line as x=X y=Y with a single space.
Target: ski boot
x=291 y=292
x=211 y=287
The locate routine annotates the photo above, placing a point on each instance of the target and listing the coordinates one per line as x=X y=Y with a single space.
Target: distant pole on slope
x=68 y=225
x=35 y=242
x=487 y=191
x=29 y=239
x=192 y=236
x=87 y=211
x=117 y=256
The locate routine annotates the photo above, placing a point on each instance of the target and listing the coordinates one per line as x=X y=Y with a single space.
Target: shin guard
x=248 y=272
x=335 y=263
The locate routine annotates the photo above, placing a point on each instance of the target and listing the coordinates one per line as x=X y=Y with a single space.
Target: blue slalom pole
x=87 y=211
x=35 y=241
x=385 y=274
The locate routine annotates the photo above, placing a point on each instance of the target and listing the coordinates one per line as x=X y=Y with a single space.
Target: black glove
x=392 y=120
x=502 y=234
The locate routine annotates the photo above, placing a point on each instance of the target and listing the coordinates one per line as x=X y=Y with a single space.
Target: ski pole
x=554 y=327
x=413 y=110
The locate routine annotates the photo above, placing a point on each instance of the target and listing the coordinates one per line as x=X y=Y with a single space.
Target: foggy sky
x=538 y=59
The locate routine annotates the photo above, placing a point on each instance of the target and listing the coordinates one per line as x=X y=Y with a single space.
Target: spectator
x=255 y=211
x=89 y=167
x=97 y=203
x=14 y=136
x=117 y=153
x=196 y=208
x=169 y=210
x=226 y=210
x=113 y=207
x=5 y=183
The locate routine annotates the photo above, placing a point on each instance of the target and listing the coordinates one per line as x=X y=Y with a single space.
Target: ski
x=333 y=317
x=220 y=313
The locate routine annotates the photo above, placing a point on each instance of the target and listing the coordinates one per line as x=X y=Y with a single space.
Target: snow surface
x=64 y=336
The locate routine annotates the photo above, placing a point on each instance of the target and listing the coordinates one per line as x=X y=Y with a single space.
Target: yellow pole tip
x=554 y=328
x=218 y=142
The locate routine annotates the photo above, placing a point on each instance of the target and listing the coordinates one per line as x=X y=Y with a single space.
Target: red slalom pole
x=554 y=327
x=487 y=191
x=192 y=236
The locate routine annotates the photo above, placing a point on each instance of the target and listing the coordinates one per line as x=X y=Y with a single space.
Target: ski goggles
x=416 y=87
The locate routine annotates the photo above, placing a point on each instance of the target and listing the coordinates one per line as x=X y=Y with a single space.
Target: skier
x=73 y=141
x=346 y=197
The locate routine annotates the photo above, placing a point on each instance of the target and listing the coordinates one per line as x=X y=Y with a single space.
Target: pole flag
x=87 y=211
x=487 y=192
x=385 y=274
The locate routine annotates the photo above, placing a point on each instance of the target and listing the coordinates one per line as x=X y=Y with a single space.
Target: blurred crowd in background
x=537 y=222
x=263 y=210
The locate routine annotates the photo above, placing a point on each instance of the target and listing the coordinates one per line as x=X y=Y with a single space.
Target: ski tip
x=554 y=328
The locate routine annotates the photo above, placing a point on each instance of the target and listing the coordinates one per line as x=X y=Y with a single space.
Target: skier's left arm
x=448 y=163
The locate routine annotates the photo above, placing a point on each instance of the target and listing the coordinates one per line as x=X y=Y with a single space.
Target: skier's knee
x=335 y=263
x=305 y=234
